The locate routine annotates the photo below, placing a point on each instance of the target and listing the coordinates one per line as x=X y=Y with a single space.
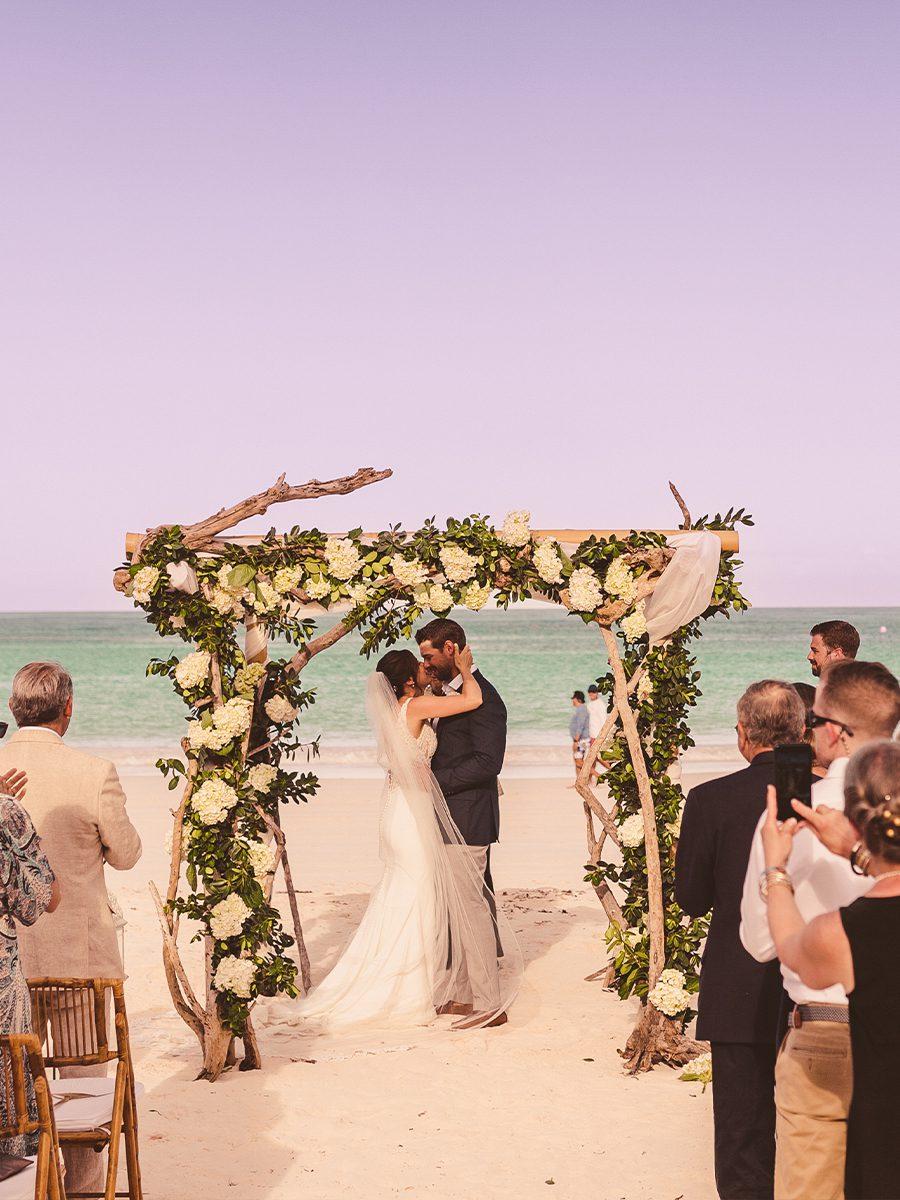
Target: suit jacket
x=739 y=997
x=467 y=763
x=78 y=808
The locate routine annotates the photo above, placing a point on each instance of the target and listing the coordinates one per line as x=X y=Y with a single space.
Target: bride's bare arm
x=422 y=708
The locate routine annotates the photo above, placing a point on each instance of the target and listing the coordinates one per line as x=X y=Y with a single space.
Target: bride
x=418 y=943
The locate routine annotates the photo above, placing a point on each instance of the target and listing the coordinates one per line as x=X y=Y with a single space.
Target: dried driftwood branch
x=681 y=504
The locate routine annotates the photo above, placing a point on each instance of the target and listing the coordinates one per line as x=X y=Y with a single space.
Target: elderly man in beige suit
x=78 y=808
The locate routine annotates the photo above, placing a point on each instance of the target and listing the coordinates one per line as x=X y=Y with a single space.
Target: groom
x=466 y=764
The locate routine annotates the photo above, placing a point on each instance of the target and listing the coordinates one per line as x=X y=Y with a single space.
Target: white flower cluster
x=620 y=581
x=698 y=1070
x=631 y=831
x=207 y=738
x=261 y=777
x=227 y=918
x=474 y=596
x=644 y=688
x=280 y=710
x=634 y=626
x=193 y=671
x=670 y=995
x=143 y=584
x=439 y=599
x=287 y=579
x=318 y=589
x=359 y=592
x=267 y=598
x=516 y=529
x=213 y=799
x=410 y=572
x=246 y=678
x=234 y=717
x=235 y=975
x=227 y=597
x=547 y=562
x=262 y=859
x=342 y=558
x=459 y=565
x=585 y=593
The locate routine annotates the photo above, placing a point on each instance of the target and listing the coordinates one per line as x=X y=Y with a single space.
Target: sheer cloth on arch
x=457 y=953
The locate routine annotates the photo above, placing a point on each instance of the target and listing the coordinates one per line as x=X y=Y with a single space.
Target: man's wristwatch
x=860 y=858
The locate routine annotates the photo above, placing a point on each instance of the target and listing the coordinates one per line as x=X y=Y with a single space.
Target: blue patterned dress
x=26 y=882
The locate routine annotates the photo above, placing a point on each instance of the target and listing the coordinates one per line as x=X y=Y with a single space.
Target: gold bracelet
x=774 y=875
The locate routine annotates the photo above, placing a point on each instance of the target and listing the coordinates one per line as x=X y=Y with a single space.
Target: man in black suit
x=739 y=997
x=467 y=764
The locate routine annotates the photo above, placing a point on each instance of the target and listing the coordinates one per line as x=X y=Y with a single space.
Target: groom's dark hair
x=441 y=630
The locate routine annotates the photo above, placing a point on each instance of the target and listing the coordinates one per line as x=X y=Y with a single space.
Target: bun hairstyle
x=872 y=797
x=398 y=667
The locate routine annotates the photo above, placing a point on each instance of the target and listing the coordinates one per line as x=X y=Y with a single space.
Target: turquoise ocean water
x=535 y=656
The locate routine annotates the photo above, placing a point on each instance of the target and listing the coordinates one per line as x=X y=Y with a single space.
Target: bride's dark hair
x=398 y=667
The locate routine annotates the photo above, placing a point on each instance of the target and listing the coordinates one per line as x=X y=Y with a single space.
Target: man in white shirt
x=855 y=703
x=598 y=709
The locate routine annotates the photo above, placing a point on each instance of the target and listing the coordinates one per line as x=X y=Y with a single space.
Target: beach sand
x=540 y=1107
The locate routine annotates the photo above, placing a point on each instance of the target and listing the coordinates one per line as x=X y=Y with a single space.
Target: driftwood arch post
x=227 y=844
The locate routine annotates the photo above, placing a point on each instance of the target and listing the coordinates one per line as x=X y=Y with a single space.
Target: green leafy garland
x=241 y=719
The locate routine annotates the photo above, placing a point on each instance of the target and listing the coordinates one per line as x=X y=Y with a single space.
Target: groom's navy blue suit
x=467 y=763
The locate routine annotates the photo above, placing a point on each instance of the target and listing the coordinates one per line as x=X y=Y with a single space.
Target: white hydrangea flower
x=169 y=843
x=342 y=558
x=670 y=995
x=459 y=566
x=280 y=710
x=227 y=918
x=287 y=579
x=234 y=717
x=439 y=599
x=225 y=603
x=247 y=677
x=358 y=592
x=235 y=975
x=631 y=831
x=318 y=589
x=644 y=688
x=516 y=529
x=210 y=738
x=634 y=626
x=410 y=572
x=585 y=593
x=262 y=859
x=698 y=1070
x=474 y=596
x=547 y=562
x=269 y=597
x=213 y=800
x=143 y=584
x=620 y=582
x=193 y=670
x=261 y=777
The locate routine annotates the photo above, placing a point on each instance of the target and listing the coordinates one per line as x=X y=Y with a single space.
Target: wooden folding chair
x=71 y=1018
x=20 y=1057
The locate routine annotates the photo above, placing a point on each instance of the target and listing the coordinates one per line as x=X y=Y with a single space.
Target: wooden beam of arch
x=729 y=538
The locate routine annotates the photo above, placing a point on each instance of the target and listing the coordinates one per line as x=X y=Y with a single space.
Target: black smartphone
x=793 y=777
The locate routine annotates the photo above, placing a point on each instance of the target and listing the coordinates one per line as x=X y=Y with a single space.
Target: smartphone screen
x=793 y=777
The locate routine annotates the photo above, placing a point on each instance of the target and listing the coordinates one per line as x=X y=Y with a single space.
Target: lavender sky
x=543 y=255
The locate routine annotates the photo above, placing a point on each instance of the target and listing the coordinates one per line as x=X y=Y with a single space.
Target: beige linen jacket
x=78 y=808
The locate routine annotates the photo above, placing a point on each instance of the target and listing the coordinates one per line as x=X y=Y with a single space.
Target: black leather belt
x=838 y=1014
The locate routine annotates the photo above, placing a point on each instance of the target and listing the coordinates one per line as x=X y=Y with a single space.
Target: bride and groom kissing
x=432 y=941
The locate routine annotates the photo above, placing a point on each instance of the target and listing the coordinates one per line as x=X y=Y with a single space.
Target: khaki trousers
x=478 y=979
x=813 y=1085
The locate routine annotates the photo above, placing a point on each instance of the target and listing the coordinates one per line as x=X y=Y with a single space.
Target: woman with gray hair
x=856 y=947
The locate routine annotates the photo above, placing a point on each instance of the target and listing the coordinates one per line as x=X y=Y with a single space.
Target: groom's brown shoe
x=455 y=1008
x=477 y=1021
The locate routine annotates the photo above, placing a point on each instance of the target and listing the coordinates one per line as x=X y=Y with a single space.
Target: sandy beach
x=539 y=1107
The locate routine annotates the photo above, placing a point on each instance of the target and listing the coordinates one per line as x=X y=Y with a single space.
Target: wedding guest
x=856 y=703
x=739 y=997
x=27 y=890
x=855 y=948
x=598 y=710
x=78 y=808
x=807 y=694
x=831 y=641
x=579 y=730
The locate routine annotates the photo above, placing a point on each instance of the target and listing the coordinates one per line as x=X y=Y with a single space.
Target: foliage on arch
x=242 y=717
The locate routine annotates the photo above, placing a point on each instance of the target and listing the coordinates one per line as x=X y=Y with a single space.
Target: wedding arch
x=210 y=590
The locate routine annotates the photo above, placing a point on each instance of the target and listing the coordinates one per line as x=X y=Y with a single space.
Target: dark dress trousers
x=739 y=998
x=467 y=763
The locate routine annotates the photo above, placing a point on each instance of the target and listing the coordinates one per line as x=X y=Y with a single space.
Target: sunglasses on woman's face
x=814 y=720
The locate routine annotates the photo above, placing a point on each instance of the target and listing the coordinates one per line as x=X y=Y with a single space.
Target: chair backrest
x=70 y=1018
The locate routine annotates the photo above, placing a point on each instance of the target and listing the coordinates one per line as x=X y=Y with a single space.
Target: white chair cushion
x=19 y=1187
x=88 y=1112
